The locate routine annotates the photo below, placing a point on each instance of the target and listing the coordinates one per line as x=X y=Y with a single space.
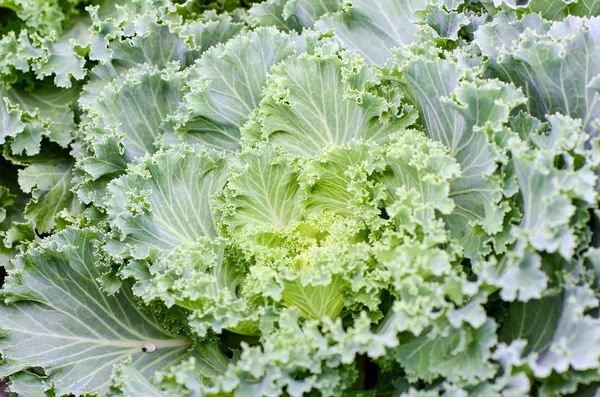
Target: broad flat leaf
x=165 y=200
x=534 y=322
x=56 y=317
x=314 y=101
x=585 y=8
x=226 y=85
x=578 y=383
x=306 y=12
x=556 y=65
x=558 y=333
x=28 y=384
x=445 y=24
x=373 y=28
x=458 y=113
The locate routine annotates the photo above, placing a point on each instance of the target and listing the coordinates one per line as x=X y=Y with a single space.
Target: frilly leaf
x=536 y=55
x=165 y=201
x=457 y=354
x=460 y=113
x=225 y=85
x=137 y=106
x=564 y=337
x=263 y=187
x=127 y=381
x=319 y=100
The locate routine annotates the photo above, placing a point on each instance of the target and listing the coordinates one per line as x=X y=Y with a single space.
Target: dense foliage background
x=300 y=197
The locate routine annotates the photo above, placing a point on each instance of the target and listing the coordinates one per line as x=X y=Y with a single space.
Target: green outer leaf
x=458 y=112
x=28 y=384
x=105 y=161
x=564 y=337
x=457 y=355
x=555 y=65
x=551 y=9
x=62 y=60
x=209 y=31
x=165 y=201
x=52 y=105
x=49 y=182
x=373 y=27
x=138 y=105
x=270 y=13
x=10 y=120
x=57 y=317
x=155 y=44
x=306 y=12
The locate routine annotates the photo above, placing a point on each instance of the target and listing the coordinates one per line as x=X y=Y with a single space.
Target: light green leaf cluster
x=300 y=197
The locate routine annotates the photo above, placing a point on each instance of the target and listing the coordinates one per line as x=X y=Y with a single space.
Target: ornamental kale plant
x=300 y=198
